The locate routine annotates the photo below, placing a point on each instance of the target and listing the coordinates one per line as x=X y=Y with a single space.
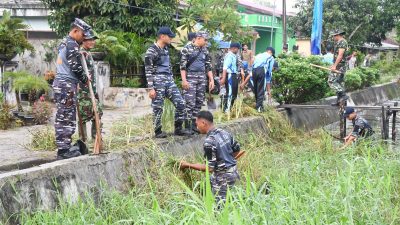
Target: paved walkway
x=14 y=152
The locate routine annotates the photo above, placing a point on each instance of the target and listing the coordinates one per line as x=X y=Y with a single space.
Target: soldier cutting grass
x=220 y=149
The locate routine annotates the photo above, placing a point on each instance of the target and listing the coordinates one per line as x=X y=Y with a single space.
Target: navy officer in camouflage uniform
x=85 y=105
x=220 y=149
x=69 y=74
x=195 y=64
x=161 y=83
x=336 y=80
x=361 y=127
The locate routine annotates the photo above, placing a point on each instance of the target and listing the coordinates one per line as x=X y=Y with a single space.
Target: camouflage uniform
x=196 y=75
x=336 y=80
x=159 y=77
x=361 y=128
x=219 y=62
x=85 y=108
x=69 y=73
x=219 y=147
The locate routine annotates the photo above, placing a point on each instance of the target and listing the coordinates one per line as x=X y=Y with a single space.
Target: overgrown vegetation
x=6 y=118
x=389 y=70
x=43 y=139
x=41 y=111
x=361 y=77
x=284 y=180
x=298 y=82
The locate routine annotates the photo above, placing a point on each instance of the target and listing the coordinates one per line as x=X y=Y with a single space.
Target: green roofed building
x=267 y=22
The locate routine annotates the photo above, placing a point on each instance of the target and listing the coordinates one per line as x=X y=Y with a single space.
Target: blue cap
x=235 y=45
x=191 y=36
x=166 y=31
x=271 y=49
x=348 y=111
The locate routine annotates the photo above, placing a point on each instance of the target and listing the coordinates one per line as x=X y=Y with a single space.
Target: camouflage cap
x=81 y=24
x=89 y=34
x=337 y=32
x=202 y=34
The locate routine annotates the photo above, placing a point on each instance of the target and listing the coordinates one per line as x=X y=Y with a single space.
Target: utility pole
x=284 y=22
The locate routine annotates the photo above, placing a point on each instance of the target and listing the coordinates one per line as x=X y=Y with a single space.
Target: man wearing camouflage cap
x=85 y=105
x=69 y=74
x=338 y=69
x=194 y=65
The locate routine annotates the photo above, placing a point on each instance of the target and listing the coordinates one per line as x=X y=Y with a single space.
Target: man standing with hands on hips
x=161 y=83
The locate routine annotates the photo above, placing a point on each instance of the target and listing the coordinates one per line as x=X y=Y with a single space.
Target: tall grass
x=287 y=178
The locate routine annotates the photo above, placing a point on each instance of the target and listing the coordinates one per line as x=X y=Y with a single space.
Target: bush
x=6 y=118
x=361 y=77
x=353 y=80
x=43 y=139
x=298 y=82
x=41 y=111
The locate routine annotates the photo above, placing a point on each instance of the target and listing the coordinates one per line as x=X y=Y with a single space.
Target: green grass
x=310 y=182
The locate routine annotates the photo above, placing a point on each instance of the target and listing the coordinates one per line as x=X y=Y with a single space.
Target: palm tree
x=12 y=38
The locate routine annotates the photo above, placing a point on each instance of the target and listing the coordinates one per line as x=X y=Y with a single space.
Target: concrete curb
x=306 y=118
x=41 y=187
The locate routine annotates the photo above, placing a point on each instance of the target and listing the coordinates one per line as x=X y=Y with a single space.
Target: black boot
x=179 y=131
x=70 y=153
x=194 y=127
x=159 y=133
x=338 y=96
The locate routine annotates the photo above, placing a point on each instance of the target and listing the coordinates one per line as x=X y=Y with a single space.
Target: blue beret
x=191 y=36
x=166 y=31
x=271 y=49
x=235 y=45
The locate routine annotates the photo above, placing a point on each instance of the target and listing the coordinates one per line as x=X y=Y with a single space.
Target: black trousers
x=259 y=86
x=232 y=88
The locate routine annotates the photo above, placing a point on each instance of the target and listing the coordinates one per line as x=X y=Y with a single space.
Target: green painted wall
x=263 y=42
x=263 y=24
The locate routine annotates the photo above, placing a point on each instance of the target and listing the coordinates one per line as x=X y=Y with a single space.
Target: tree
x=216 y=15
x=12 y=39
x=363 y=20
x=142 y=17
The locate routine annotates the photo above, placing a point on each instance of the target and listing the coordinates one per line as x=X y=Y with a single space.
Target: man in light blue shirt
x=328 y=57
x=261 y=76
x=230 y=76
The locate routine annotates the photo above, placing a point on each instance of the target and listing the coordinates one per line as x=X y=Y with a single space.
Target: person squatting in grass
x=261 y=75
x=361 y=127
x=161 y=83
x=220 y=149
x=69 y=74
x=195 y=64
